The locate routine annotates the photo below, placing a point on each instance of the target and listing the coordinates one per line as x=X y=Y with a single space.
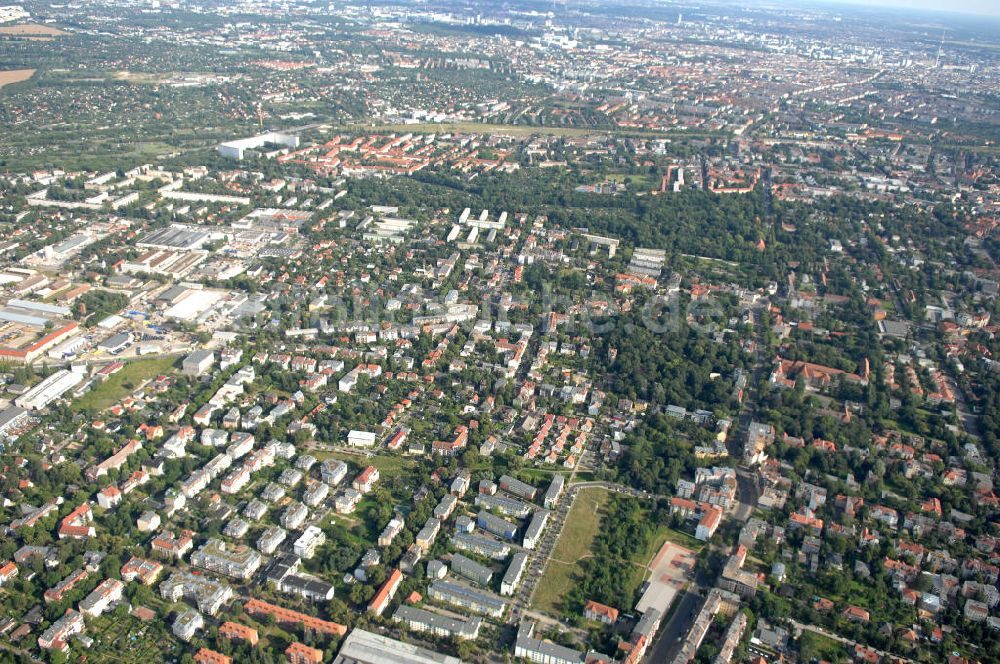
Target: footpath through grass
x=575 y=542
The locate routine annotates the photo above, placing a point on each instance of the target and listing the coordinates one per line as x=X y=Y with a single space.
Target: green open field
x=991 y=46
x=639 y=182
x=816 y=647
x=119 y=385
x=574 y=544
x=389 y=464
x=540 y=477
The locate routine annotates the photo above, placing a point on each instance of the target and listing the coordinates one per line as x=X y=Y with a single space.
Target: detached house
x=600 y=612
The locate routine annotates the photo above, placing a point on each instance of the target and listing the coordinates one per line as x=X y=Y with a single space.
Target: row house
x=284 y=616
x=58 y=591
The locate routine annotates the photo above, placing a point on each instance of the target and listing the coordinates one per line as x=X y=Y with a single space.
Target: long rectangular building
x=517 y=487
x=554 y=492
x=481 y=545
x=238 y=148
x=49 y=390
x=515 y=571
x=476 y=601
x=283 y=616
x=508 y=506
x=535 y=527
x=534 y=649
x=421 y=620
x=11 y=419
x=496 y=525
x=471 y=570
x=362 y=647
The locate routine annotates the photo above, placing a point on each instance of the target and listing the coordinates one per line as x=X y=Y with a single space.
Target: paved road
x=965 y=415
x=672 y=633
x=747 y=492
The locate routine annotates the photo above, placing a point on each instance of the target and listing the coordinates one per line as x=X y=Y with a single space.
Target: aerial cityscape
x=468 y=332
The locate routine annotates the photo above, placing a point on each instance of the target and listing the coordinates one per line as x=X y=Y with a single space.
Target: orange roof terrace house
x=283 y=616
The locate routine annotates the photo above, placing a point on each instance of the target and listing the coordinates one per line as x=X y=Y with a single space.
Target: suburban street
x=799 y=627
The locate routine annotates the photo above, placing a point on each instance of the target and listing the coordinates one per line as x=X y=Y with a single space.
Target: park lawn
x=646 y=553
x=639 y=182
x=636 y=577
x=349 y=522
x=574 y=544
x=112 y=390
x=150 y=149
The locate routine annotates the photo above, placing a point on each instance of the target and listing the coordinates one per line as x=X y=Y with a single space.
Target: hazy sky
x=991 y=7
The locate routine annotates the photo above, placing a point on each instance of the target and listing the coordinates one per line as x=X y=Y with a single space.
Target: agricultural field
x=15 y=76
x=32 y=31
